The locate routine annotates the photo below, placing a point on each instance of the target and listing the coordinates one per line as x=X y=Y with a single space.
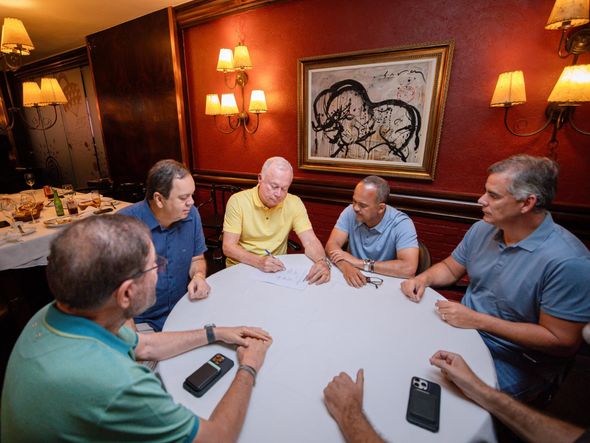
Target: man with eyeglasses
x=168 y=211
x=380 y=238
x=258 y=222
x=73 y=375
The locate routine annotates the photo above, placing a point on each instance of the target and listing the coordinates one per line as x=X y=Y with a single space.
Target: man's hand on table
x=269 y=263
x=458 y=371
x=353 y=276
x=239 y=335
x=414 y=288
x=344 y=397
x=319 y=273
x=253 y=352
x=198 y=288
x=457 y=315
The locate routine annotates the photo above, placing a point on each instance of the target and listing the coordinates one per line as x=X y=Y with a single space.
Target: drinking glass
x=30 y=179
x=7 y=207
x=28 y=203
x=96 y=198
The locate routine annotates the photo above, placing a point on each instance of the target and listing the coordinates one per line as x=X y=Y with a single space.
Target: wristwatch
x=210 y=333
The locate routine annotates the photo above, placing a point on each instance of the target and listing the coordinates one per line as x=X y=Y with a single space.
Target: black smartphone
x=103 y=211
x=207 y=375
x=424 y=404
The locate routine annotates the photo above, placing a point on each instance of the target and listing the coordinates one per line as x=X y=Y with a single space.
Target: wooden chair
x=424 y=259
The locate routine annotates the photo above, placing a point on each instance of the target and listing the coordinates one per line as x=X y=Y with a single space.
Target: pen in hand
x=269 y=253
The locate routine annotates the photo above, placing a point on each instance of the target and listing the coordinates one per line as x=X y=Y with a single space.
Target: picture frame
x=374 y=112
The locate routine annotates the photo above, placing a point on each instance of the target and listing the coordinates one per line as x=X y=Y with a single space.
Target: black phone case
x=424 y=403
x=226 y=364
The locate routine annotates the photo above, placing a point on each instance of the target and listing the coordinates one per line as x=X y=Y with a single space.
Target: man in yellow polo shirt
x=258 y=222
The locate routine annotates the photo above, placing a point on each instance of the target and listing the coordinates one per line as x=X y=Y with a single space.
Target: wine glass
x=28 y=203
x=30 y=179
x=7 y=207
x=96 y=198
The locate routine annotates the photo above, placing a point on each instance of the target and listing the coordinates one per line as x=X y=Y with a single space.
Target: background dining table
x=32 y=249
x=318 y=332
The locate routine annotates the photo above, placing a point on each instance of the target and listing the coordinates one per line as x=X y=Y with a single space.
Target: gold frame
x=337 y=121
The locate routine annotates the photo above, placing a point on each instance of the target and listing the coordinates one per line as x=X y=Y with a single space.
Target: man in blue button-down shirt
x=169 y=212
x=529 y=291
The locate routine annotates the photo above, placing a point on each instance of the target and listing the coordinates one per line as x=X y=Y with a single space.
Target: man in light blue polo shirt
x=73 y=375
x=529 y=291
x=169 y=212
x=381 y=239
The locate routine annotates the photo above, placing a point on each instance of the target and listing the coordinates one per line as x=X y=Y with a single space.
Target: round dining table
x=318 y=332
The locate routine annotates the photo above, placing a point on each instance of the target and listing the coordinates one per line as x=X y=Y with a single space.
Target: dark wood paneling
x=133 y=69
x=440 y=206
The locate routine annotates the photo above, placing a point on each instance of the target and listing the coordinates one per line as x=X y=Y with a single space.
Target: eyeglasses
x=161 y=263
x=375 y=281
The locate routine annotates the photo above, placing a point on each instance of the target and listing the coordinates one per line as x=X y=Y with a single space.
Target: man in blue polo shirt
x=169 y=212
x=529 y=291
x=73 y=375
x=381 y=239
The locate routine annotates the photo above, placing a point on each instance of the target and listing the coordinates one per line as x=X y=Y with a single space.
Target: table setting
x=30 y=219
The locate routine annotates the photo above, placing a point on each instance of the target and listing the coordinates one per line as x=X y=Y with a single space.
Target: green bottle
x=59 y=208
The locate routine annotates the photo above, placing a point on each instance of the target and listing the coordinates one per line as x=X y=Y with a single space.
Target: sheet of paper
x=292 y=277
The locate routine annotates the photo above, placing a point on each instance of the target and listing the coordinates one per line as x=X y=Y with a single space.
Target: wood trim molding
x=445 y=206
x=50 y=65
x=201 y=11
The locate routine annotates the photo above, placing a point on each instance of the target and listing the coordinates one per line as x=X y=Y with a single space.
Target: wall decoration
x=374 y=112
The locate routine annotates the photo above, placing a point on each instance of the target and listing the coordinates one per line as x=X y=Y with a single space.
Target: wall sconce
x=15 y=44
x=568 y=14
x=573 y=87
x=236 y=62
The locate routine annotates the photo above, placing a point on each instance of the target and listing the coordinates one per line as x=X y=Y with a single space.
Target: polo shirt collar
x=258 y=203
x=84 y=328
x=379 y=227
x=149 y=218
x=536 y=238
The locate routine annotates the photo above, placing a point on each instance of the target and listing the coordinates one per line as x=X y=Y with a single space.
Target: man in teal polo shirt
x=73 y=375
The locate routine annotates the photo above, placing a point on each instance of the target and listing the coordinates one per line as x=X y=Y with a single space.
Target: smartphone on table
x=424 y=404
x=200 y=381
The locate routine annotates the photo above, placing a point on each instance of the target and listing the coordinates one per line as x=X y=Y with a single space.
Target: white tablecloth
x=319 y=332
x=32 y=250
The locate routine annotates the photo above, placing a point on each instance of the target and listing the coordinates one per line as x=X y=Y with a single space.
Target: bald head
x=274 y=180
x=276 y=164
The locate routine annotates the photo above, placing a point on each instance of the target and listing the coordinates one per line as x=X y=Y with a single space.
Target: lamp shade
x=15 y=37
x=257 y=102
x=573 y=86
x=212 y=105
x=242 y=57
x=229 y=105
x=51 y=92
x=509 y=90
x=225 y=62
x=31 y=94
x=568 y=13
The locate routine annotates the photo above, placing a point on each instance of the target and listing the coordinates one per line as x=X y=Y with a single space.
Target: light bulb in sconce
x=31 y=94
x=242 y=57
x=573 y=86
x=509 y=90
x=257 y=102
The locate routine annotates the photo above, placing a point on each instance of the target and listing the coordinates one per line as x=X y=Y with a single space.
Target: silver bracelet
x=250 y=370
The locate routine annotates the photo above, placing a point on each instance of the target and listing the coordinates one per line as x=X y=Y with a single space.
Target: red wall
x=490 y=37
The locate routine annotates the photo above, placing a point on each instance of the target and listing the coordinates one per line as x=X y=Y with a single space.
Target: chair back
x=424 y=259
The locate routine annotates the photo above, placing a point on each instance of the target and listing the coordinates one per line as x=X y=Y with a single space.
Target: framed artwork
x=374 y=112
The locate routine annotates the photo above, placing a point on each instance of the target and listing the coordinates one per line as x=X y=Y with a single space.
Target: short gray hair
x=380 y=185
x=530 y=176
x=161 y=176
x=278 y=163
x=93 y=256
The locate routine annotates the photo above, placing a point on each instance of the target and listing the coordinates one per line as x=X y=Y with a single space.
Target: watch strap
x=210 y=333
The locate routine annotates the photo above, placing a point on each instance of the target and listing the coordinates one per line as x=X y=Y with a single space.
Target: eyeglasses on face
x=161 y=263
x=375 y=281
